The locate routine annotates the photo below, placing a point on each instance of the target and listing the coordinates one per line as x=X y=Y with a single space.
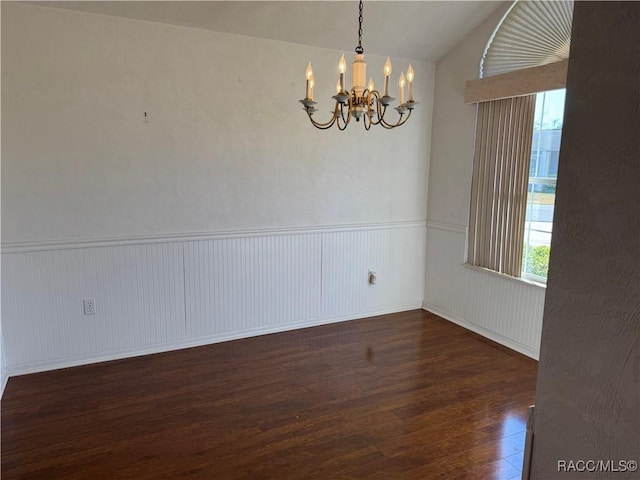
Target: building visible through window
x=543 y=172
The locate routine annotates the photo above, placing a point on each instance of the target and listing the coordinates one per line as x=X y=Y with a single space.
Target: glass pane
x=537 y=229
x=545 y=150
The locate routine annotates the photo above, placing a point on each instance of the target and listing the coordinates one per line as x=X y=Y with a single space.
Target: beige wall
x=454 y=127
x=506 y=310
x=226 y=145
x=588 y=392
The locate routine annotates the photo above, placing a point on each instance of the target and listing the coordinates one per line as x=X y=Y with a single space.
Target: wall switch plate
x=372 y=277
x=89 y=305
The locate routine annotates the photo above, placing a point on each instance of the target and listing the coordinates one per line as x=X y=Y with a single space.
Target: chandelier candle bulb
x=410 y=76
x=401 y=83
x=387 y=73
x=371 y=86
x=309 y=76
x=342 y=68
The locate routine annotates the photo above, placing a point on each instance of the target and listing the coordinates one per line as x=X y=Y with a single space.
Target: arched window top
x=531 y=33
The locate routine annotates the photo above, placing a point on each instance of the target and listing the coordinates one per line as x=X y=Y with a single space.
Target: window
x=517 y=144
x=514 y=183
x=541 y=191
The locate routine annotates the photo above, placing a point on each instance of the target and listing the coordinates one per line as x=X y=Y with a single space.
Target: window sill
x=504 y=276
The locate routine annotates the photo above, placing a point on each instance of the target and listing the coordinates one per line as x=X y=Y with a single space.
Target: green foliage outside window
x=537 y=259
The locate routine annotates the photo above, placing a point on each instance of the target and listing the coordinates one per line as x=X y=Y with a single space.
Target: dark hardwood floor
x=403 y=396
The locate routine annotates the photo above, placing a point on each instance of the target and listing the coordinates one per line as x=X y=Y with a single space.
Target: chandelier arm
x=347 y=120
x=380 y=120
x=369 y=95
x=367 y=117
x=386 y=124
x=340 y=116
x=406 y=117
x=380 y=109
x=351 y=105
x=320 y=125
x=393 y=125
x=323 y=126
x=401 y=121
x=390 y=125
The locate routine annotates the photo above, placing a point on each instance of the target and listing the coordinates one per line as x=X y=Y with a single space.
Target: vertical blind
x=504 y=130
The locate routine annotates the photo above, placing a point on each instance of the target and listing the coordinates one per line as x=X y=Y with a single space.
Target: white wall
x=506 y=310
x=225 y=214
x=3 y=372
x=226 y=145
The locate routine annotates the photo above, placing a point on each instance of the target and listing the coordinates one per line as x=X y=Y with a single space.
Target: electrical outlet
x=372 y=277
x=89 y=305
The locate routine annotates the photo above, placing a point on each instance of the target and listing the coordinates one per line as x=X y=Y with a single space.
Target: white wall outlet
x=372 y=277
x=89 y=305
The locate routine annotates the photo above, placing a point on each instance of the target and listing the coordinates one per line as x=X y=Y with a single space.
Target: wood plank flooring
x=402 y=396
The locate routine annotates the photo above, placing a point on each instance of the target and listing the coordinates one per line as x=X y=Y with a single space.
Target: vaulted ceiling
x=423 y=30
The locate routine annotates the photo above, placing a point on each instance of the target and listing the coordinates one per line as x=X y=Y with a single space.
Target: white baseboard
x=194 y=342
x=496 y=337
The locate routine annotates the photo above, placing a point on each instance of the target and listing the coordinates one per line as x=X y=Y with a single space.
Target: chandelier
x=362 y=101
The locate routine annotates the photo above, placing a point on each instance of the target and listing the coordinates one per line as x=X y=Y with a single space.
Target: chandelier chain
x=359 y=49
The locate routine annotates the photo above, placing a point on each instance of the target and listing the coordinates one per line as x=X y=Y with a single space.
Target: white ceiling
x=423 y=30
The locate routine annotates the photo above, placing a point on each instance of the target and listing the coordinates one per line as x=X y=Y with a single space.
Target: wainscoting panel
x=396 y=256
x=255 y=283
x=164 y=293
x=138 y=293
x=506 y=310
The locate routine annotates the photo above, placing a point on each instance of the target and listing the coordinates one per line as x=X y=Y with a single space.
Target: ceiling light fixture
x=362 y=101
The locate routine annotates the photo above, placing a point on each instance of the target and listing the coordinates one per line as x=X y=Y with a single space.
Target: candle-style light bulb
x=387 y=67
x=401 y=83
x=410 y=76
x=309 y=76
x=387 y=72
x=342 y=67
x=371 y=86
